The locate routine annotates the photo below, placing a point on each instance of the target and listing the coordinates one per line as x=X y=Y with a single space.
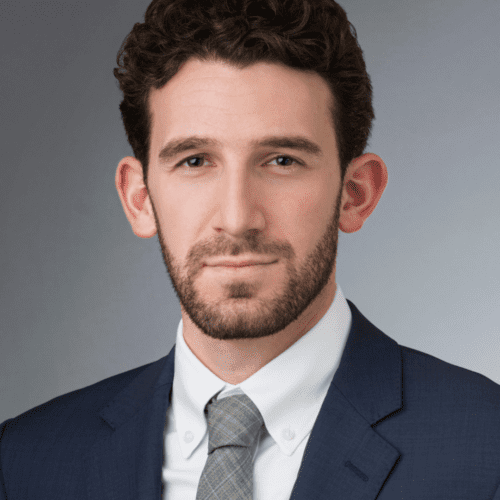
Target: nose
x=241 y=200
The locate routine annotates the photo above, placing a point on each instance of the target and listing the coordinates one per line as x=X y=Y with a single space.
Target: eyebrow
x=178 y=146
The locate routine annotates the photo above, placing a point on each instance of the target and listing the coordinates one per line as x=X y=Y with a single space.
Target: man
x=248 y=122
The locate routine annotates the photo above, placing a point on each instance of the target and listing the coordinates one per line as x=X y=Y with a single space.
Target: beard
x=240 y=314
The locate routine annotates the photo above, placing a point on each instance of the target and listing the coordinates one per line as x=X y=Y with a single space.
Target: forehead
x=215 y=98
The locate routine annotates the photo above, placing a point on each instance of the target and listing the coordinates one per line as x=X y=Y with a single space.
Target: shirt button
x=188 y=437
x=288 y=434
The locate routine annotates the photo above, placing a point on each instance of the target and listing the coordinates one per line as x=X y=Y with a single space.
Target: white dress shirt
x=288 y=391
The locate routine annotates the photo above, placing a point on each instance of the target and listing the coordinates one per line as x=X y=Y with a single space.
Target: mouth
x=237 y=264
x=240 y=265
x=243 y=265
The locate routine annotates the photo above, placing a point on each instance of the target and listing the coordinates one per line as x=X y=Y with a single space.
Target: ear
x=134 y=196
x=364 y=183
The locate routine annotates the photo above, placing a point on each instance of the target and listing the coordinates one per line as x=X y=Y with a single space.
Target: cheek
x=304 y=215
x=175 y=219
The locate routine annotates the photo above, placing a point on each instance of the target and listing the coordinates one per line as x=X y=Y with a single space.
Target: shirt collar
x=288 y=391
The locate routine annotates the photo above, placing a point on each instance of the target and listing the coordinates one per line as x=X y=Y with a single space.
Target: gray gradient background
x=83 y=298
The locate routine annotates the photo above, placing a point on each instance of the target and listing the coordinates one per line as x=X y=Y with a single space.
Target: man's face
x=243 y=201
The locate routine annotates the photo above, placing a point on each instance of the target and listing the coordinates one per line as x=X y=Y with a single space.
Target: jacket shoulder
x=59 y=434
x=78 y=406
x=427 y=377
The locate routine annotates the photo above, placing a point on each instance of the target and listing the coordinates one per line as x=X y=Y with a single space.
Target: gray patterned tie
x=234 y=423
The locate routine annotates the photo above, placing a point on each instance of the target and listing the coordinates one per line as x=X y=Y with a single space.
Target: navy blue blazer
x=396 y=424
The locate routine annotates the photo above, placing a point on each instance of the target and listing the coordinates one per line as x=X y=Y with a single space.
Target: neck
x=233 y=361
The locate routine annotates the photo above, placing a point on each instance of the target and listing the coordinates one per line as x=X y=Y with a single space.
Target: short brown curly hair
x=310 y=35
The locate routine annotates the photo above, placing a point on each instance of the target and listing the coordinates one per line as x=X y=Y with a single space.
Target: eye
x=289 y=165
x=202 y=157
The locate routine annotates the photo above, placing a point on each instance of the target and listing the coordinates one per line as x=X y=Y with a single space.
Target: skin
x=243 y=202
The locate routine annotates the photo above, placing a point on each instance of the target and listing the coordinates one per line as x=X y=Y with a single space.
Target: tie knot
x=233 y=420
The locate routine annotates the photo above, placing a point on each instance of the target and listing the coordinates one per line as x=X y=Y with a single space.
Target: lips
x=244 y=264
x=241 y=263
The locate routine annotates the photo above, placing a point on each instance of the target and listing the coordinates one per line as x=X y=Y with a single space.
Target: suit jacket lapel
x=125 y=462
x=345 y=457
